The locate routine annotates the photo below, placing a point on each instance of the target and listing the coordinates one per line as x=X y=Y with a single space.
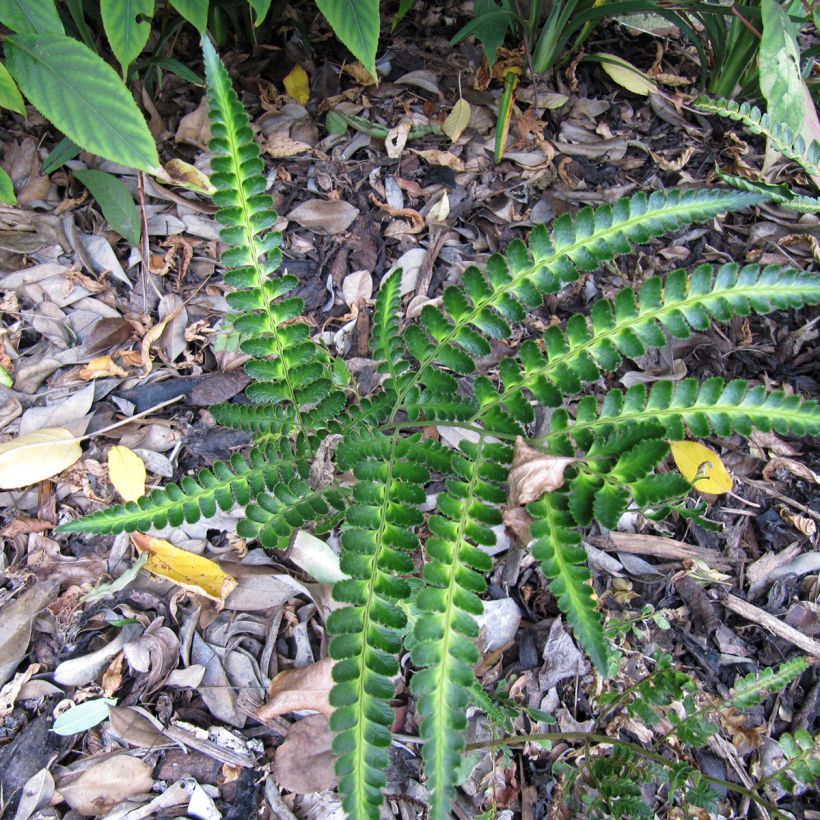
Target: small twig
x=763 y=487
x=144 y=247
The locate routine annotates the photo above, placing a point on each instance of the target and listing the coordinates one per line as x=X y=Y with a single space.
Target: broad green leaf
x=260 y=10
x=780 y=79
x=356 y=23
x=61 y=153
x=194 y=11
x=83 y=716
x=127 y=25
x=7 y=189
x=83 y=96
x=31 y=16
x=10 y=96
x=701 y=467
x=490 y=25
x=116 y=203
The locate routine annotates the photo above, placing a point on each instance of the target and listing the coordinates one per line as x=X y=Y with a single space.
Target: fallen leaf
x=188 y=176
x=701 y=467
x=296 y=689
x=280 y=146
x=35 y=795
x=534 y=473
x=359 y=73
x=101 y=367
x=324 y=216
x=457 y=120
x=444 y=158
x=36 y=456
x=297 y=85
x=104 y=785
x=304 y=762
x=626 y=75
x=440 y=210
x=357 y=287
x=192 y=572
x=127 y=472
x=83 y=716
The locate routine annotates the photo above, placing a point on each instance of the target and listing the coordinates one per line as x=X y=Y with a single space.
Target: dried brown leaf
x=304 y=762
x=534 y=473
x=104 y=785
x=298 y=689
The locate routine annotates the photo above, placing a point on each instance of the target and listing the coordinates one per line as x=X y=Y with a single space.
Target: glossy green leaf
x=116 y=203
x=194 y=11
x=31 y=16
x=357 y=24
x=127 y=25
x=7 y=188
x=10 y=96
x=83 y=96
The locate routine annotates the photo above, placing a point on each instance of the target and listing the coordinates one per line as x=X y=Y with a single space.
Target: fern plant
x=430 y=376
x=782 y=140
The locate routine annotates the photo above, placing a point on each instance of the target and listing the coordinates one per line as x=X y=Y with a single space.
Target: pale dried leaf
x=298 y=689
x=280 y=146
x=444 y=158
x=17 y=618
x=322 y=216
x=457 y=120
x=357 y=287
x=534 y=473
x=36 y=794
x=105 y=785
x=304 y=762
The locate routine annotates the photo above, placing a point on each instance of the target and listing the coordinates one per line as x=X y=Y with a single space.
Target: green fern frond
x=780 y=136
x=377 y=539
x=288 y=367
x=387 y=347
x=802 y=754
x=713 y=406
x=750 y=690
x=633 y=323
x=443 y=648
x=484 y=305
x=203 y=496
x=564 y=563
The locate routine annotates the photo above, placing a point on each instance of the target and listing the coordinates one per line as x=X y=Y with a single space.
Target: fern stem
x=589 y=737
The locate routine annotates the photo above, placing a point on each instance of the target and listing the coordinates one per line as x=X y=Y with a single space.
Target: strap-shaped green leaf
x=116 y=202
x=443 y=646
x=564 y=563
x=83 y=96
x=356 y=23
x=31 y=16
x=203 y=496
x=127 y=25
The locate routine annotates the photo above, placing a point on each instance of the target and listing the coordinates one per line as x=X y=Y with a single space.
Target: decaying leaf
x=99 y=788
x=101 y=367
x=457 y=120
x=181 y=173
x=35 y=456
x=127 y=472
x=323 y=216
x=304 y=762
x=280 y=146
x=297 y=689
x=626 y=75
x=701 y=466
x=357 y=287
x=190 y=571
x=444 y=158
x=17 y=618
x=534 y=473
x=297 y=84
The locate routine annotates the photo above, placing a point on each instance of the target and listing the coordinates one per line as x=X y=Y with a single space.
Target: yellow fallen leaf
x=192 y=572
x=457 y=120
x=101 y=367
x=436 y=157
x=36 y=456
x=127 y=472
x=297 y=85
x=626 y=75
x=359 y=73
x=701 y=466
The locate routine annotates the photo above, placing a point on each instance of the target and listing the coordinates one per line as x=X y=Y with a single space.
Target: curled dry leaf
x=298 y=689
x=104 y=785
x=192 y=572
x=534 y=473
x=304 y=762
x=36 y=456
x=794 y=467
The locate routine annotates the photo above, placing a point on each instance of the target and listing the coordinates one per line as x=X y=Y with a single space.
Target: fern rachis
x=614 y=447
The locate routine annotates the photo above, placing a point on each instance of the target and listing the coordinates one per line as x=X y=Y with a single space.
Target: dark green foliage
x=416 y=516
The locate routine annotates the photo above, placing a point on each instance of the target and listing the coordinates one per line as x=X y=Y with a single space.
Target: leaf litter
x=219 y=648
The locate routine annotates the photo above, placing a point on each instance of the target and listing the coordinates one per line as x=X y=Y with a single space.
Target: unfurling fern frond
x=377 y=541
x=288 y=367
x=780 y=136
x=442 y=646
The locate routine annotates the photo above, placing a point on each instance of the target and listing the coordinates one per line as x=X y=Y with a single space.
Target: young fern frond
x=217 y=489
x=749 y=690
x=564 y=563
x=780 y=136
x=288 y=367
x=442 y=645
